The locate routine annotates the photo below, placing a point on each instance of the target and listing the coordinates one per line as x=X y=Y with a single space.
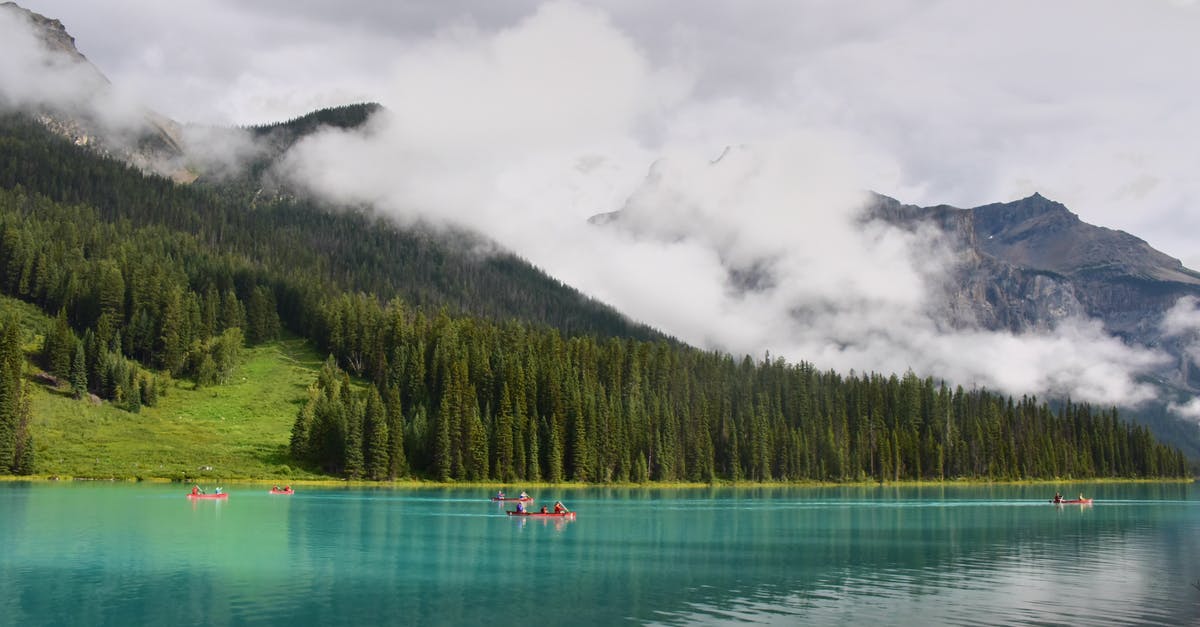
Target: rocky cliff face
x=1027 y=264
x=87 y=113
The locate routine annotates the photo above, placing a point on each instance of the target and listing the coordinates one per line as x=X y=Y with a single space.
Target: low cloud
x=40 y=73
x=1189 y=410
x=217 y=152
x=31 y=74
x=1182 y=321
x=739 y=162
x=740 y=229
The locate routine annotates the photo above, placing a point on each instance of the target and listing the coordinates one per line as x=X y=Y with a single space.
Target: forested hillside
x=302 y=248
x=477 y=367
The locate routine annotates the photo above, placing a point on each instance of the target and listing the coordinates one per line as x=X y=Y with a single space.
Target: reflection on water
x=929 y=555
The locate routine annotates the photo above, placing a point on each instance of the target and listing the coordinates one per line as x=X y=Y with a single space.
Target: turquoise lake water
x=128 y=554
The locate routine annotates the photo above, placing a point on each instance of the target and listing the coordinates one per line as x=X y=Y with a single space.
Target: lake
x=124 y=554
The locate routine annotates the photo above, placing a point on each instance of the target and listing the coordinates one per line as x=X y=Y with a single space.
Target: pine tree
x=397 y=460
x=171 y=340
x=554 y=455
x=581 y=446
x=302 y=427
x=232 y=313
x=133 y=394
x=149 y=389
x=477 y=460
x=79 y=380
x=59 y=346
x=352 y=410
x=533 y=471
x=94 y=352
x=110 y=291
x=11 y=390
x=441 y=444
x=502 y=461
x=375 y=443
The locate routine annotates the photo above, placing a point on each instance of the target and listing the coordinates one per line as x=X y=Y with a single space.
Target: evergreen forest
x=449 y=365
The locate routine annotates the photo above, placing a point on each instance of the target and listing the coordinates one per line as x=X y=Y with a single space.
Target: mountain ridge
x=1111 y=274
x=145 y=138
x=1023 y=265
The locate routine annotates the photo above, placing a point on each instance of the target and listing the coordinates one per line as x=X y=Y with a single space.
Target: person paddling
x=520 y=507
x=559 y=508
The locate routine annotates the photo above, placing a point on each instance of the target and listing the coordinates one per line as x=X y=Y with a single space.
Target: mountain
x=476 y=365
x=83 y=110
x=1026 y=264
x=1019 y=267
x=343 y=249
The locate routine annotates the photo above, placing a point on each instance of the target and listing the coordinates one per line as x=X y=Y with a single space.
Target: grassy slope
x=240 y=429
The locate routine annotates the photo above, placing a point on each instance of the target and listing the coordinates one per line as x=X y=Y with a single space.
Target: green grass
x=239 y=430
x=34 y=323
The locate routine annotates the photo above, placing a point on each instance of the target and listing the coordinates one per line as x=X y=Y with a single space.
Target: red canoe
x=567 y=515
x=208 y=496
x=523 y=499
x=274 y=491
x=1072 y=502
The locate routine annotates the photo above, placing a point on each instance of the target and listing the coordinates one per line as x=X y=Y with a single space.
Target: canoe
x=1072 y=502
x=274 y=491
x=208 y=496
x=567 y=515
x=526 y=499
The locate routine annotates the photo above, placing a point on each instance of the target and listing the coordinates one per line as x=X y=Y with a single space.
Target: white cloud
x=523 y=119
x=513 y=132
x=1182 y=320
x=33 y=75
x=1189 y=410
x=1080 y=100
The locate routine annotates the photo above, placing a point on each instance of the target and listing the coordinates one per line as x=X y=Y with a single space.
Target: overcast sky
x=733 y=133
x=1091 y=103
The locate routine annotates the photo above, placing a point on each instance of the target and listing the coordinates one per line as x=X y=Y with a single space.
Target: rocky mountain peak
x=1040 y=234
x=1028 y=263
x=86 y=113
x=1018 y=218
x=51 y=32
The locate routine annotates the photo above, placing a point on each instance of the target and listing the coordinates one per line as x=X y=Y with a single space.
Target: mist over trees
x=455 y=366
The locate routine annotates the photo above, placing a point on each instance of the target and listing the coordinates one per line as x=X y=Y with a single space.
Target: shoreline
x=426 y=483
